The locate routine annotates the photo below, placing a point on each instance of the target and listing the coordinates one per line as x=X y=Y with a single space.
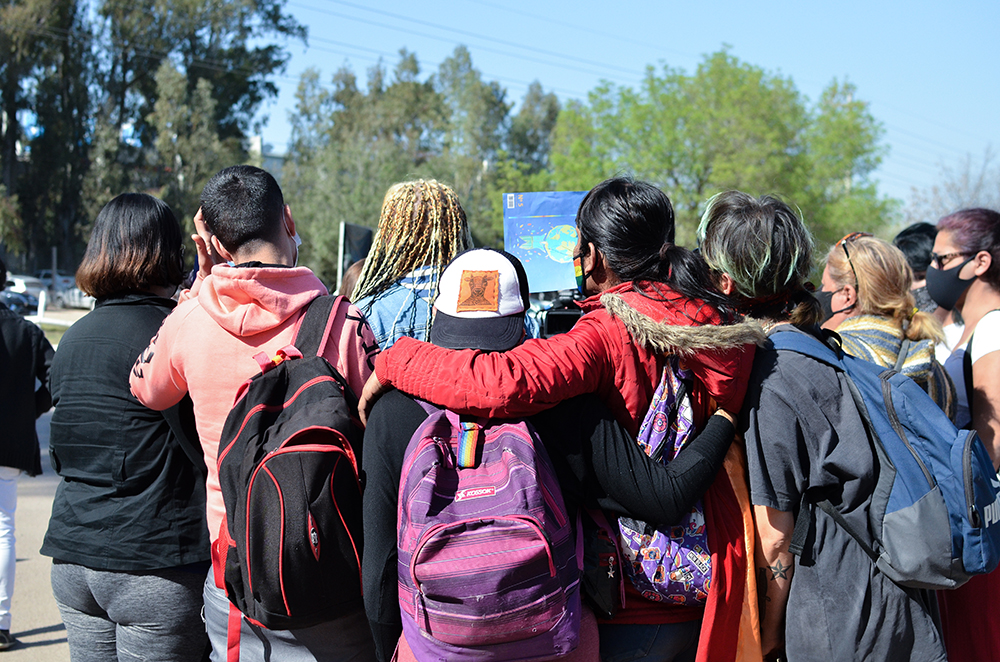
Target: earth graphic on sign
x=558 y=243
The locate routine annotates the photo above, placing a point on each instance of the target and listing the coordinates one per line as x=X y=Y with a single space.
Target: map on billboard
x=540 y=229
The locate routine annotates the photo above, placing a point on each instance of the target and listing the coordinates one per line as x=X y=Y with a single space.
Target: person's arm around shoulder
x=775 y=565
x=985 y=396
x=523 y=381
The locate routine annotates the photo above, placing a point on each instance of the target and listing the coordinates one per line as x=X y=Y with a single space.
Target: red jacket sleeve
x=530 y=378
x=724 y=373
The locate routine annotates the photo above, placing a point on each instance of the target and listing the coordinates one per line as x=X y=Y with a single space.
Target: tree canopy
x=157 y=95
x=149 y=95
x=729 y=125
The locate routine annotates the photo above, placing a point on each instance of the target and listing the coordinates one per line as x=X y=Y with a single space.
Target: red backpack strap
x=313 y=332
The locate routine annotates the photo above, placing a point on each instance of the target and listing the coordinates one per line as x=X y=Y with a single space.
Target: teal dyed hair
x=761 y=243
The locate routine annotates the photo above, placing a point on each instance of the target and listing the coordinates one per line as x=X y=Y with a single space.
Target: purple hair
x=976 y=230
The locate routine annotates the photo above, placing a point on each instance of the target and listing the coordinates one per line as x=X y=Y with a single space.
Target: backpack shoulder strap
x=904 y=350
x=811 y=346
x=313 y=333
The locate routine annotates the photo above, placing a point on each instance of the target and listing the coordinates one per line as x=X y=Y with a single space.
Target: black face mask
x=945 y=286
x=826 y=301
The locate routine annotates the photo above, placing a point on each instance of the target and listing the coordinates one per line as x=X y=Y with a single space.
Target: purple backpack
x=488 y=568
x=673 y=565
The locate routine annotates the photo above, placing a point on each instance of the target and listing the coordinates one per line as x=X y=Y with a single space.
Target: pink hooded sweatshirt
x=206 y=346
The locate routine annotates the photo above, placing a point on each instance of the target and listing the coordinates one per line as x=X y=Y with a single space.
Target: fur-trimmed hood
x=680 y=339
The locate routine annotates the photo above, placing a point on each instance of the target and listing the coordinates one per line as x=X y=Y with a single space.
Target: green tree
x=477 y=124
x=187 y=139
x=730 y=124
x=50 y=190
x=524 y=164
x=841 y=151
x=350 y=144
x=45 y=76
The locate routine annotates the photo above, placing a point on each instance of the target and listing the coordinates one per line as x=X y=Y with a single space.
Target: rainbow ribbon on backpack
x=468 y=440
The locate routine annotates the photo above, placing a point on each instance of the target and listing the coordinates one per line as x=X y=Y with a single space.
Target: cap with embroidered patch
x=481 y=302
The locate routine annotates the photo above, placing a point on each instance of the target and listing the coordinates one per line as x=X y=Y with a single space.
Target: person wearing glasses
x=867 y=299
x=964 y=276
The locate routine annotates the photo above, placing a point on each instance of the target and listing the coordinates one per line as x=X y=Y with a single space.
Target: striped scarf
x=879 y=339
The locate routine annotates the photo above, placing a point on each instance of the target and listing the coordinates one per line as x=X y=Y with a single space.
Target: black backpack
x=289 y=477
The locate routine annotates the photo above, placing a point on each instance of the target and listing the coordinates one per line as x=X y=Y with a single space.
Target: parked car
x=25 y=285
x=22 y=304
x=75 y=298
x=60 y=283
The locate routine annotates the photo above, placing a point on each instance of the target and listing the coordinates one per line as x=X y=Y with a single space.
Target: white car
x=26 y=284
x=75 y=298
x=61 y=282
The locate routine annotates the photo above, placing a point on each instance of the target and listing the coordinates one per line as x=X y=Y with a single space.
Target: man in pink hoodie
x=249 y=298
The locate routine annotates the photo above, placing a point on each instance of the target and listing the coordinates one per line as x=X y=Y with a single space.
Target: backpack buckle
x=282 y=355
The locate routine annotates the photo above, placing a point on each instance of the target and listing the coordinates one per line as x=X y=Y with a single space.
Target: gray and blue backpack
x=935 y=513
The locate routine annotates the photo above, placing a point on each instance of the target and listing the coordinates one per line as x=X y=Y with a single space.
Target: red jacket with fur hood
x=616 y=350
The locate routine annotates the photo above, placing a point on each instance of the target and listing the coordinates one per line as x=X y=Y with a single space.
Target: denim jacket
x=403 y=309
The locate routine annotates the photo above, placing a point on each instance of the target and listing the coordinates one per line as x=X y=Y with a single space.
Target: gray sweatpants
x=130 y=616
x=346 y=639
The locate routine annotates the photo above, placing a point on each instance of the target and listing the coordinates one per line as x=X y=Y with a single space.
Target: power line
x=502 y=42
x=599 y=33
x=449 y=40
x=522 y=83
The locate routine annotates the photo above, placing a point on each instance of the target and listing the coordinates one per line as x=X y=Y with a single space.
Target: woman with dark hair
x=127 y=535
x=649 y=300
x=804 y=435
x=964 y=276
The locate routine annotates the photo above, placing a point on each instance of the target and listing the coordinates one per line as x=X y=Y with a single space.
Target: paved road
x=35 y=621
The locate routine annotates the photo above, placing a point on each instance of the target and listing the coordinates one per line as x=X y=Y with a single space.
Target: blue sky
x=931 y=73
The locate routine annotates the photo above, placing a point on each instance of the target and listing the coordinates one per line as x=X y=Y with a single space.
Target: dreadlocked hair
x=422 y=225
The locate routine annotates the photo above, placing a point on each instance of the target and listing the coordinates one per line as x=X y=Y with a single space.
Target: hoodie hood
x=246 y=301
x=679 y=327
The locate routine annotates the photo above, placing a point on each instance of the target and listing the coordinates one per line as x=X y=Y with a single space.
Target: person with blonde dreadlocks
x=422 y=227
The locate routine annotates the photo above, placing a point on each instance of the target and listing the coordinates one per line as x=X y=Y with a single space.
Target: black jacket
x=133 y=489
x=25 y=355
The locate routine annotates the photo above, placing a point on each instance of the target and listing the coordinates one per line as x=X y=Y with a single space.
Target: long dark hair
x=632 y=224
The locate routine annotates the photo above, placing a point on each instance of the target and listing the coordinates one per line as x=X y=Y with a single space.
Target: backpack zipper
x=970 y=495
x=898 y=427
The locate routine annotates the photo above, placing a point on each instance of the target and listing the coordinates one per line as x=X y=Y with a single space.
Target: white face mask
x=298 y=242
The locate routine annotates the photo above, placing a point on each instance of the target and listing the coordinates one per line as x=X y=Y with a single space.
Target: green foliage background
x=157 y=95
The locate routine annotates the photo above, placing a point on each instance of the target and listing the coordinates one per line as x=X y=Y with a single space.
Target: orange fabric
x=748 y=644
x=720 y=626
